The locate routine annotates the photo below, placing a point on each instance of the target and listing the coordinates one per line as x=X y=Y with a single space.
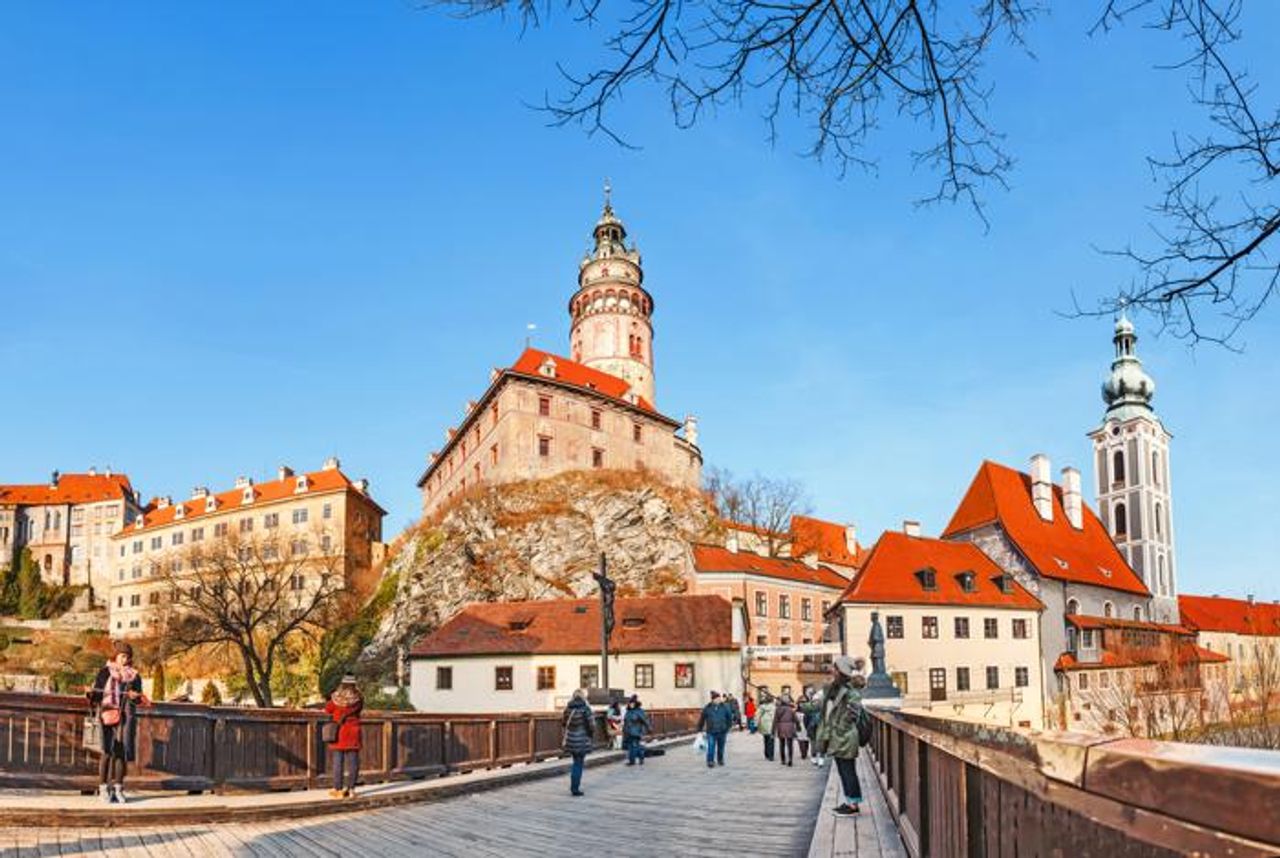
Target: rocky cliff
x=540 y=539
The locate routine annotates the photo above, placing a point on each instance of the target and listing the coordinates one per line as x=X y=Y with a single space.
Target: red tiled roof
x=743 y=527
x=327 y=480
x=713 y=558
x=572 y=627
x=827 y=538
x=1081 y=621
x=1002 y=495
x=578 y=375
x=1239 y=616
x=889 y=575
x=71 y=489
x=1187 y=653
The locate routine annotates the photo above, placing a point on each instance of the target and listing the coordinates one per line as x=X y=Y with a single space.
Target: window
x=644 y=676
x=327 y=512
x=1021 y=630
x=1021 y=677
x=762 y=604
x=1117 y=467
x=967 y=582
x=928 y=579
x=635 y=432
x=990 y=628
x=502 y=679
x=220 y=529
x=929 y=627
x=271 y=520
x=937 y=683
x=137 y=546
x=246 y=525
x=962 y=627
x=1108 y=609
x=135 y=600
x=157 y=542
x=493 y=455
x=1086 y=639
x=1082 y=682
x=1137 y=612
x=1155 y=467
x=176 y=537
x=547 y=678
x=1073 y=607
x=197 y=534
x=806 y=609
x=784 y=607
x=297 y=582
x=326 y=543
x=1159 y=520
x=544 y=446
x=589 y=676
x=784 y=641
x=1121 y=527
x=826 y=607
x=595 y=419
x=684 y=675
x=893 y=627
x=298 y=547
x=993 y=677
x=299 y=516
x=444 y=678
x=597 y=458
x=1104 y=679
x=544 y=406
x=962 y=679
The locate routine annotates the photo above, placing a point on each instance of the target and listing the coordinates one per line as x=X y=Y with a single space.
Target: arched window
x=1155 y=467
x=1137 y=612
x=1073 y=606
x=1159 y=520
x=1117 y=467
x=1160 y=573
x=48 y=562
x=1121 y=522
x=1108 y=609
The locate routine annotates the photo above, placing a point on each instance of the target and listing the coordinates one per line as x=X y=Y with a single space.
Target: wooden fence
x=184 y=746
x=964 y=789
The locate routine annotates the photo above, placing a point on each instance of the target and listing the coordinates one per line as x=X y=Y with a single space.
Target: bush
x=211 y=696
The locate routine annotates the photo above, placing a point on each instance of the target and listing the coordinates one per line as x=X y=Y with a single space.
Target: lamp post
x=607 y=587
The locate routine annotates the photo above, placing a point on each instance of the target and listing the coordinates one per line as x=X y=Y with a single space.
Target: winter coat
x=784 y=721
x=838 y=730
x=715 y=718
x=750 y=709
x=636 y=723
x=810 y=715
x=126 y=732
x=764 y=717
x=579 y=727
x=735 y=710
x=349 y=729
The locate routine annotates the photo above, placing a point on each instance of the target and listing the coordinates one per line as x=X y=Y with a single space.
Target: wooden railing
x=184 y=746
x=964 y=789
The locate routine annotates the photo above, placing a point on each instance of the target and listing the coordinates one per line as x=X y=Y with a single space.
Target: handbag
x=110 y=717
x=92 y=740
x=329 y=729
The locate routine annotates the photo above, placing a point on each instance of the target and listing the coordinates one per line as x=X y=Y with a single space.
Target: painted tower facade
x=1131 y=458
x=611 y=313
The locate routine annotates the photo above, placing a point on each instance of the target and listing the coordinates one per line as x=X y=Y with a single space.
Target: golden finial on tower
x=608 y=195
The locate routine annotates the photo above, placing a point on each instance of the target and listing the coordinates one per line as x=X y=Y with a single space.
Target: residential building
x=67 y=524
x=321 y=514
x=1245 y=631
x=786 y=601
x=834 y=545
x=962 y=636
x=530 y=656
x=546 y=414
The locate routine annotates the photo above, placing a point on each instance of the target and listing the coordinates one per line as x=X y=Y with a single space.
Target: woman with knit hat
x=837 y=735
x=115 y=694
x=344 y=707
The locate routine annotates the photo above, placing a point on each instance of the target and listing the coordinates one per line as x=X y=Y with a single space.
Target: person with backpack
x=845 y=726
x=635 y=723
x=807 y=711
x=749 y=709
x=343 y=736
x=765 y=714
x=716 y=719
x=785 y=724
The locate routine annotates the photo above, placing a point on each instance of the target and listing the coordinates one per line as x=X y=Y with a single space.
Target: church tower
x=1131 y=457
x=611 y=313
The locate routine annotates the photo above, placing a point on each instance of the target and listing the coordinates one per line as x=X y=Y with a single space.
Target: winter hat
x=122 y=647
x=848 y=665
x=715 y=694
x=349 y=679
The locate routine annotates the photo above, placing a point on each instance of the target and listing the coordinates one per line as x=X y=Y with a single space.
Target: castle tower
x=1131 y=457
x=611 y=313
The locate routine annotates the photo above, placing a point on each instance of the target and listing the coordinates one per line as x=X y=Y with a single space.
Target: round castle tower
x=611 y=313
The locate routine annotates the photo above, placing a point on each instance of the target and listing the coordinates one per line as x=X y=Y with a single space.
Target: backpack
x=864 y=725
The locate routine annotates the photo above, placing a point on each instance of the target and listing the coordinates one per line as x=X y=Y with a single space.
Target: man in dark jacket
x=716 y=719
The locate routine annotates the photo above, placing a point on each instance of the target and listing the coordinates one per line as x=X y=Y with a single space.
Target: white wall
x=473 y=680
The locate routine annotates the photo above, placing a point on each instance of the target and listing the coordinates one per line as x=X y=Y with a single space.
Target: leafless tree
x=763 y=504
x=252 y=595
x=1247 y=698
x=841 y=66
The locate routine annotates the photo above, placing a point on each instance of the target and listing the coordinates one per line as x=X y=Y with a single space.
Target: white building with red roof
x=1245 y=631
x=546 y=414
x=66 y=524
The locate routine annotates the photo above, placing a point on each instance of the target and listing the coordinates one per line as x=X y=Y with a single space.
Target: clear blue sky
x=239 y=235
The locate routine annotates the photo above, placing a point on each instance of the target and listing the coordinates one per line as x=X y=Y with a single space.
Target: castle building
x=546 y=414
x=66 y=524
x=1131 y=454
x=328 y=520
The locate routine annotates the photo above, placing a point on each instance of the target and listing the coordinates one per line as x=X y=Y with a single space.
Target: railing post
x=446 y=744
x=388 y=747
x=533 y=738
x=922 y=798
x=493 y=742
x=216 y=738
x=312 y=768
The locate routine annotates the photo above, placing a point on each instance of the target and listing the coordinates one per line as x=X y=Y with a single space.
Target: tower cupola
x=1128 y=390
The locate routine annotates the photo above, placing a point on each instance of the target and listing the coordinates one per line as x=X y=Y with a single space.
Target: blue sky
x=239 y=235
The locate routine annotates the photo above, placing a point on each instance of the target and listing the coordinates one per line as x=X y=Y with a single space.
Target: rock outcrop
x=540 y=539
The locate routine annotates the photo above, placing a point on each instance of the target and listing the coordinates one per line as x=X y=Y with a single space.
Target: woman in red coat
x=344 y=708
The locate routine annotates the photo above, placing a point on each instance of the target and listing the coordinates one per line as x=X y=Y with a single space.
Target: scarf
x=347 y=696
x=118 y=679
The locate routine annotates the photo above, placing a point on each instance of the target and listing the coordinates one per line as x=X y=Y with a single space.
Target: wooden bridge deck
x=674 y=805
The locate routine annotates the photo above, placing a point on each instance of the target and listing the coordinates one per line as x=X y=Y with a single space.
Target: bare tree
x=840 y=66
x=254 y=596
x=763 y=504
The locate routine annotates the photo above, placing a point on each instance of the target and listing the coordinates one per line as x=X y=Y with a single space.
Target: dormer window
x=547 y=368
x=246 y=496
x=928 y=578
x=210 y=503
x=1005 y=583
x=180 y=511
x=301 y=484
x=967 y=581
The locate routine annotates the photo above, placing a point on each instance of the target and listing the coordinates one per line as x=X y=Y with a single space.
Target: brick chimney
x=1042 y=486
x=1072 y=501
x=911 y=528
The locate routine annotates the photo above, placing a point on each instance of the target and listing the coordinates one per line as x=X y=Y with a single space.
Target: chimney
x=242 y=482
x=731 y=540
x=362 y=486
x=1249 y=598
x=449 y=433
x=199 y=492
x=53 y=480
x=284 y=473
x=810 y=559
x=163 y=502
x=107 y=472
x=1072 y=501
x=93 y=472
x=471 y=406
x=1041 y=486
x=691 y=430
x=332 y=464
x=493 y=374
x=911 y=528
x=851 y=538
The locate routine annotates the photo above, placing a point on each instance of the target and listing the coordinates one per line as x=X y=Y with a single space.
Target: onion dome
x=1128 y=389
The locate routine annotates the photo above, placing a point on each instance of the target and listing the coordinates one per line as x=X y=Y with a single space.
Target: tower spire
x=608 y=196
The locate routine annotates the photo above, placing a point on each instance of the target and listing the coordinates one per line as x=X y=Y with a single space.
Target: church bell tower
x=611 y=314
x=1131 y=458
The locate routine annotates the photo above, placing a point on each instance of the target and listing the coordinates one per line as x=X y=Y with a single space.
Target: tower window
x=1073 y=606
x=1117 y=468
x=1155 y=467
x=1159 y=520
x=1121 y=522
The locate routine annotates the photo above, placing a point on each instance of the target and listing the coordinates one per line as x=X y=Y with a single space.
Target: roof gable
x=1001 y=495
x=827 y=538
x=1237 y=616
x=70 y=489
x=575 y=374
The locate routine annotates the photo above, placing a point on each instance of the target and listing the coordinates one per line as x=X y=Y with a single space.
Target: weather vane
x=608 y=193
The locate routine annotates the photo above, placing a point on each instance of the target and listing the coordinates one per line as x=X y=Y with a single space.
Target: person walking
x=715 y=721
x=613 y=718
x=806 y=719
x=784 y=728
x=838 y=729
x=735 y=710
x=749 y=709
x=765 y=713
x=635 y=724
x=115 y=695
x=344 y=707
x=579 y=724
